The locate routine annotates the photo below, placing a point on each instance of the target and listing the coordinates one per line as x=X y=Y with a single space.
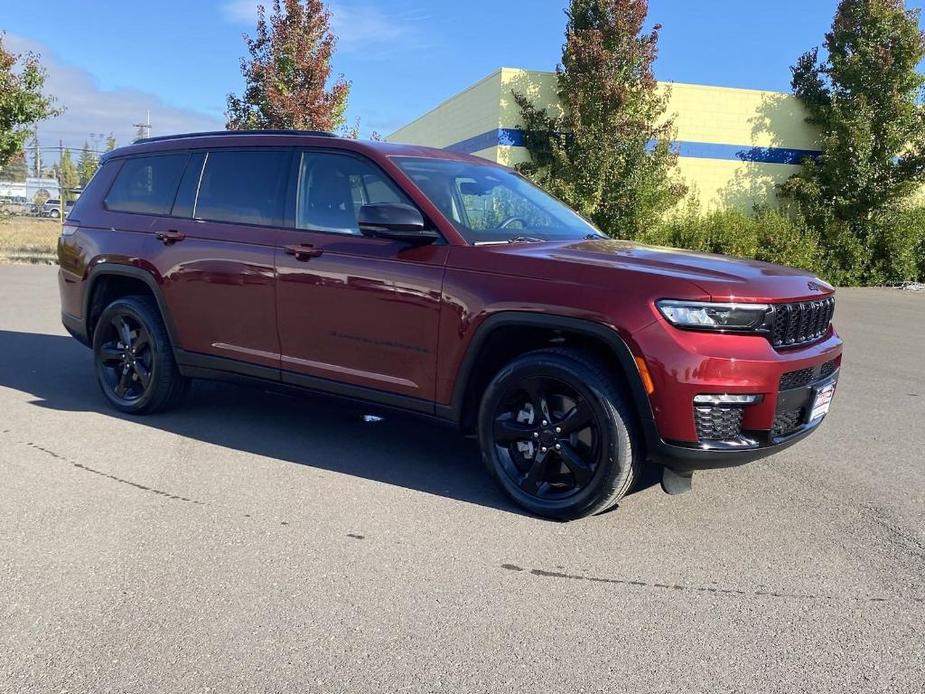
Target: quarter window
x=147 y=185
x=244 y=187
x=333 y=188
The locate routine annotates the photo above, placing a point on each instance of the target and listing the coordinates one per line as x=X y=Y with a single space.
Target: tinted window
x=246 y=187
x=333 y=188
x=189 y=186
x=488 y=203
x=147 y=184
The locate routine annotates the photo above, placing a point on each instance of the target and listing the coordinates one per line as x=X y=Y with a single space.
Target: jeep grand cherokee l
x=444 y=285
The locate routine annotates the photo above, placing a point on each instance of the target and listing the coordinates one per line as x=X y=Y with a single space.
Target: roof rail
x=181 y=136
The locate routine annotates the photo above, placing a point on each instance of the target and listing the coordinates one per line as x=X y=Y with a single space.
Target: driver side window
x=489 y=207
x=333 y=188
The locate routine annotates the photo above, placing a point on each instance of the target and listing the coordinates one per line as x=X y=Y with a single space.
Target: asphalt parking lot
x=257 y=542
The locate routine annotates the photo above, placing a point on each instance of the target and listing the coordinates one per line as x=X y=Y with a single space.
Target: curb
x=29 y=258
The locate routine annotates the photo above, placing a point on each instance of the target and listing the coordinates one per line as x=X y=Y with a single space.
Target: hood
x=723 y=278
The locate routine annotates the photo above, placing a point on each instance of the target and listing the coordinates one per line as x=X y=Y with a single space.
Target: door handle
x=304 y=251
x=170 y=236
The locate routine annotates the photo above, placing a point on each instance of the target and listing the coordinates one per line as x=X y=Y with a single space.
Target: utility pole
x=62 y=197
x=144 y=129
x=37 y=158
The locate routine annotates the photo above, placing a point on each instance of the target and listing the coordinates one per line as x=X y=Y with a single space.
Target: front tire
x=134 y=360
x=557 y=434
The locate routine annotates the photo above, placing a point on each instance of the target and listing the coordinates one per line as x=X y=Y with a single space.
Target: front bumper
x=684 y=364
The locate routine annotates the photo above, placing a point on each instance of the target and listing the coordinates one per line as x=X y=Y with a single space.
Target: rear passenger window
x=147 y=184
x=244 y=187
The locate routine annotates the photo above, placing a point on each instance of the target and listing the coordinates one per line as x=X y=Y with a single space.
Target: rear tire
x=134 y=360
x=558 y=436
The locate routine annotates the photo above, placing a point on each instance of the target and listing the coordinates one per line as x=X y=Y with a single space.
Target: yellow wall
x=717 y=129
x=469 y=113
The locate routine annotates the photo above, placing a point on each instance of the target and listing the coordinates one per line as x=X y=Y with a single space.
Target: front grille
x=827 y=369
x=803 y=377
x=787 y=422
x=796 y=379
x=799 y=323
x=718 y=423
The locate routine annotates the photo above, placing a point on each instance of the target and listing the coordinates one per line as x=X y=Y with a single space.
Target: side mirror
x=395 y=221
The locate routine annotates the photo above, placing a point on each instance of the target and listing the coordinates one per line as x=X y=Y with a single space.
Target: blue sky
x=110 y=61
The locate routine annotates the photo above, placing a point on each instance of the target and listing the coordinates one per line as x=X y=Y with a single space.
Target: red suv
x=444 y=285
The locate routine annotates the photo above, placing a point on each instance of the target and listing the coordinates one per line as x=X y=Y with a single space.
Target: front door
x=355 y=314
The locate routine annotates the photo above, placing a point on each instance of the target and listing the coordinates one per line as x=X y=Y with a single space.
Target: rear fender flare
x=108 y=269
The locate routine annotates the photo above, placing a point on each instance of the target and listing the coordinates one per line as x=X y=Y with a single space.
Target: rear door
x=355 y=310
x=215 y=252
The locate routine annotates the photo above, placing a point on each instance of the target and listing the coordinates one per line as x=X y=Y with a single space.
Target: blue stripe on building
x=513 y=137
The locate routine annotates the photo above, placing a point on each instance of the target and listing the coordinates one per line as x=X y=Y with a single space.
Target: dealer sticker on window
x=822 y=402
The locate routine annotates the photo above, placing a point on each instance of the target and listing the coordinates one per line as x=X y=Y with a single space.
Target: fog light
x=726 y=399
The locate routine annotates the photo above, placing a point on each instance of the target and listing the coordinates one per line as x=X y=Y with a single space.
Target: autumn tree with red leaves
x=608 y=152
x=288 y=81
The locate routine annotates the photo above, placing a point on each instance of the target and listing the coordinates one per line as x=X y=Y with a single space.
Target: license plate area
x=822 y=401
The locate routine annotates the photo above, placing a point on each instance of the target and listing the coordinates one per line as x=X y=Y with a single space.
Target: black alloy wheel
x=547 y=438
x=134 y=359
x=126 y=358
x=558 y=435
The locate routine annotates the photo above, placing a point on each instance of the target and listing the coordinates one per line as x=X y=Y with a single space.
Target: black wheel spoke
x=123 y=331
x=579 y=417
x=536 y=392
x=576 y=465
x=508 y=431
x=109 y=354
x=141 y=342
x=144 y=375
x=536 y=475
x=125 y=382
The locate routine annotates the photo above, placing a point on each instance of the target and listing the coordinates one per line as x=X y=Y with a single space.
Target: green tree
x=22 y=102
x=865 y=98
x=288 y=82
x=87 y=164
x=68 y=176
x=111 y=142
x=608 y=153
x=15 y=169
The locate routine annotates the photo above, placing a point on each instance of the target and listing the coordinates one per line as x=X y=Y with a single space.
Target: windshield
x=488 y=204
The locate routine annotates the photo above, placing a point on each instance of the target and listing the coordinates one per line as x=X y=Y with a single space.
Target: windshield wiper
x=594 y=237
x=525 y=239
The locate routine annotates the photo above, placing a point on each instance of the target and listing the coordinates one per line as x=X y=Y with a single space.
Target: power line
x=55 y=148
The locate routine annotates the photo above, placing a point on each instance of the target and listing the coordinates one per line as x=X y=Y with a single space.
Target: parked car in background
x=14 y=205
x=52 y=208
x=446 y=285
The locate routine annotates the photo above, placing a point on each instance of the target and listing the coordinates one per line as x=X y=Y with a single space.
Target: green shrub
x=887 y=250
x=899 y=248
x=884 y=251
x=765 y=235
x=784 y=241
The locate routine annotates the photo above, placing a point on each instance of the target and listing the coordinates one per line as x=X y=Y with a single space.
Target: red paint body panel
x=220 y=283
x=385 y=316
x=364 y=312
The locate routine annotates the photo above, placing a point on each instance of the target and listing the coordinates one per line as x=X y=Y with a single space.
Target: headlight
x=705 y=315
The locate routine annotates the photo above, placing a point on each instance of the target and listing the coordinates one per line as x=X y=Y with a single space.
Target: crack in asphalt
x=120 y=480
x=543 y=573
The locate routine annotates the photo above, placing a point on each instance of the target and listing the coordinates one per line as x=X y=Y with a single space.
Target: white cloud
x=360 y=28
x=241 y=11
x=91 y=109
